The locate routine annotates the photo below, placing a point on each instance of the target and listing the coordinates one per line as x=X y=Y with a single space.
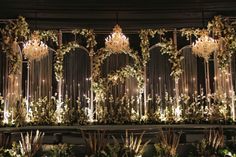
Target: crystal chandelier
x=117 y=41
x=35 y=49
x=204 y=46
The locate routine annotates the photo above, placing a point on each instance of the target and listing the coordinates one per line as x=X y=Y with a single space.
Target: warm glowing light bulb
x=117 y=41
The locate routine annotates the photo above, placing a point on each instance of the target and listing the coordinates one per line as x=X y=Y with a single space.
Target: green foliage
x=145 y=44
x=13 y=152
x=29 y=144
x=189 y=32
x=65 y=48
x=226 y=153
x=167 y=47
x=49 y=34
x=101 y=85
x=43 y=111
x=95 y=142
x=60 y=150
x=14 y=32
x=58 y=65
x=132 y=146
x=175 y=57
x=113 y=150
x=168 y=144
x=90 y=37
x=212 y=145
x=81 y=117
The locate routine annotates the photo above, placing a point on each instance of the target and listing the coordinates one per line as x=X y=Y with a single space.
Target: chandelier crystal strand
x=204 y=46
x=35 y=49
x=117 y=41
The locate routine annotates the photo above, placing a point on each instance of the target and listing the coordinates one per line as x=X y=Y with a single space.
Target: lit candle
x=78 y=89
x=70 y=92
x=73 y=86
x=62 y=87
x=40 y=92
x=66 y=89
x=186 y=90
x=50 y=94
x=165 y=87
x=43 y=89
x=152 y=92
x=160 y=86
x=25 y=87
x=35 y=94
x=3 y=86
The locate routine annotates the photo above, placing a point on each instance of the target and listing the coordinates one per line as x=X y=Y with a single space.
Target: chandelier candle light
x=204 y=47
x=34 y=48
x=117 y=41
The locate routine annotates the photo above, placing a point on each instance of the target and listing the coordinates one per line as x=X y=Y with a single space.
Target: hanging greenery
x=14 y=32
x=167 y=47
x=145 y=44
x=58 y=66
x=90 y=37
x=49 y=34
x=101 y=85
x=91 y=43
x=189 y=32
x=120 y=75
x=223 y=30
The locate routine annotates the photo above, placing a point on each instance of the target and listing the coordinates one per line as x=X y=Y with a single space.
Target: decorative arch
x=101 y=85
x=76 y=76
x=189 y=78
x=41 y=77
x=159 y=80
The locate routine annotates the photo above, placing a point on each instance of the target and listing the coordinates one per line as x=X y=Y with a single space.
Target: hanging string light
x=34 y=49
x=117 y=41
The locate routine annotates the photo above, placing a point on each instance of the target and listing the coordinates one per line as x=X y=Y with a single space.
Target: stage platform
x=72 y=134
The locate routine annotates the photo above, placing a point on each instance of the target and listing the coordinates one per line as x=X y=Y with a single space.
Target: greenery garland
x=90 y=37
x=49 y=34
x=58 y=66
x=14 y=32
x=167 y=47
x=223 y=30
x=91 y=43
x=101 y=85
x=145 y=44
x=175 y=57
x=189 y=32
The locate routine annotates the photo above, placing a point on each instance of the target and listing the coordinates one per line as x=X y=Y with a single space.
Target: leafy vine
x=89 y=35
x=49 y=34
x=189 y=32
x=145 y=43
x=91 y=43
x=12 y=33
x=58 y=66
x=223 y=30
x=101 y=85
x=167 y=47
